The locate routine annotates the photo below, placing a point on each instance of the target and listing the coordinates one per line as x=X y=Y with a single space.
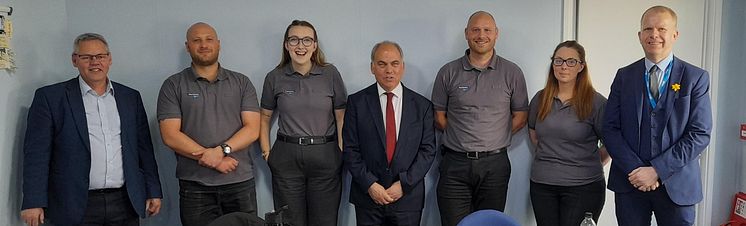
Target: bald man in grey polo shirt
x=480 y=100
x=209 y=116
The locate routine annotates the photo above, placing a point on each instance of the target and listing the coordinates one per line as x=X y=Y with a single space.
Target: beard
x=475 y=48
x=197 y=60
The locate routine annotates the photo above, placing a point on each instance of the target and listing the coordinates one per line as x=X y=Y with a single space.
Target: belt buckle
x=472 y=155
x=304 y=140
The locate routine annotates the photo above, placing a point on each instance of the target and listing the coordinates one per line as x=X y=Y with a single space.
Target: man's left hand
x=644 y=178
x=153 y=206
x=395 y=191
x=211 y=157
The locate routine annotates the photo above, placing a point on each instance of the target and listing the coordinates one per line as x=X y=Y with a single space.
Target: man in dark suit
x=657 y=123
x=389 y=144
x=88 y=157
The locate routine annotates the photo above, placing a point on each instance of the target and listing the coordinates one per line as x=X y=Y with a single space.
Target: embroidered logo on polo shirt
x=463 y=88
x=289 y=92
x=193 y=95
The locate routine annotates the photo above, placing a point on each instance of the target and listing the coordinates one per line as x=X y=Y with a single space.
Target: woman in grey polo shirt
x=308 y=96
x=567 y=177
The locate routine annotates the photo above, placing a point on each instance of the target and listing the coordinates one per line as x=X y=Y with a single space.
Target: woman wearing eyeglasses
x=567 y=177
x=308 y=97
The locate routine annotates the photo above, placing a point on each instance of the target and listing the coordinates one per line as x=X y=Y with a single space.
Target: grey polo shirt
x=567 y=152
x=210 y=114
x=479 y=102
x=304 y=104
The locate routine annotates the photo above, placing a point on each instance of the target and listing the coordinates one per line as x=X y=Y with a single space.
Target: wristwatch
x=226 y=149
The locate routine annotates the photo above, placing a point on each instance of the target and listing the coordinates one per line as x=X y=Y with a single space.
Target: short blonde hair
x=660 y=9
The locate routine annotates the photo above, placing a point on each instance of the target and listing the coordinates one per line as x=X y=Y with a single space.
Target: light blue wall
x=40 y=42
x=146 y=39
x=147 y=36
x=731 y=111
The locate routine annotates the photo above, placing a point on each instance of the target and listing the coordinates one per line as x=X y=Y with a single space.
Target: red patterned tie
x=390 y=127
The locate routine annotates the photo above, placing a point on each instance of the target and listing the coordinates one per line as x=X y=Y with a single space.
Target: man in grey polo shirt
x=480 y=101
x=209 y=116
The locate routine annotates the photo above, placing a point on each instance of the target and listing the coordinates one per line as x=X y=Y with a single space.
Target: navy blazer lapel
x=75 y=101
x=639 y=88
x=408 y=116
x=126 y=114
x=677 y=73
x=374 y=107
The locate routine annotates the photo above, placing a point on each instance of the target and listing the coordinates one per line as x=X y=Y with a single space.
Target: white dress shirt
x=104 y=133
x=396 y=99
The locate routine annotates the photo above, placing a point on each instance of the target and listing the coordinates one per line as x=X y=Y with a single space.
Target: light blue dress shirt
x=661 y=66
x=104 y=132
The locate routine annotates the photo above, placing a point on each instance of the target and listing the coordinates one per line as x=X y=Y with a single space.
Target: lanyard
x=661 y=87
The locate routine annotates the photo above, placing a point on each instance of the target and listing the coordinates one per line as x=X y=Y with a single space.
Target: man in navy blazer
x=88 y=157
x=657 y=123
x=389 y=144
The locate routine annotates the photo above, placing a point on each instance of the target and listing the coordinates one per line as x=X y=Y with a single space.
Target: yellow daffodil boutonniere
x=676 y=87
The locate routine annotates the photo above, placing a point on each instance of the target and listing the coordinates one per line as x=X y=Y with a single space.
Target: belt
x=310 y=140
x=106 y=190
x=474 y=154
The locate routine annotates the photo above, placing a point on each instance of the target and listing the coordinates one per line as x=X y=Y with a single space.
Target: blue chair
x=488 y=218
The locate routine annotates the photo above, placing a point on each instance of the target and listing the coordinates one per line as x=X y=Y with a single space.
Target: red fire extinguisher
x=738 y=215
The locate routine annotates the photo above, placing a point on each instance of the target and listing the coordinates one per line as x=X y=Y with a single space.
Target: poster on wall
x=7 y=57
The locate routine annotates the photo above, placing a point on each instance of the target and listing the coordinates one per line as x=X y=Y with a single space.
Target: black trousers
x=110 y=207
x=566 y=205
x=202 y=204
x=635 y=208
x=467 y=185
x=307 y=178
x=386 y=216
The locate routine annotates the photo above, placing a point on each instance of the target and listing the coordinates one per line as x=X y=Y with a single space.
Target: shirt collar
x=468 y=67
x=557 y=100
x=221 y=73
x=85 y=88
x=397 y=90
x=662 y=65
x=288 y=69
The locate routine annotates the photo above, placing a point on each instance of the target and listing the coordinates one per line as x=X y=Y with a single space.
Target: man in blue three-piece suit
x=88 y=158
x=657 y=123
x=389 y=144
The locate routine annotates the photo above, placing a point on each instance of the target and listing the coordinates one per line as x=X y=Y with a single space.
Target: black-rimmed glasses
x=570 y=62
x=90 y=57
x=294 y=41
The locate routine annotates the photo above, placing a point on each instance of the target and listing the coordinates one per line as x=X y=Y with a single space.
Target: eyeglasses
x=570 y=62
x=89 y=57
x=294 y=41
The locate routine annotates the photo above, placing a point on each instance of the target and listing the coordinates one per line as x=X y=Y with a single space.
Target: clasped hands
x=215 y=159
x=644 y=179
x=385 y=196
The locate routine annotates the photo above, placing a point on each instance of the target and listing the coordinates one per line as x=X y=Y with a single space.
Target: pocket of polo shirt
x=464 y=96
x=192 y=100
x=286 y=90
